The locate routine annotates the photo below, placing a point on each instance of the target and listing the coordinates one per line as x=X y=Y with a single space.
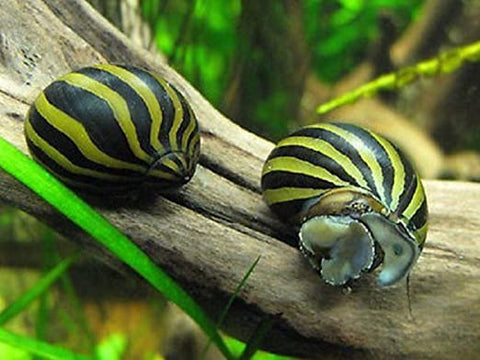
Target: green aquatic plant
x=444 y=63
x=35 y=177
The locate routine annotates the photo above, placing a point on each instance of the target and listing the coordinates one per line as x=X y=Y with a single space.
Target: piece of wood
x=208 y=234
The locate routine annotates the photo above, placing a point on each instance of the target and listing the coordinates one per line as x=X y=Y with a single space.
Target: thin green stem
x=256 y=339
x=225 y=310
x=39 y=288
x=444 y=63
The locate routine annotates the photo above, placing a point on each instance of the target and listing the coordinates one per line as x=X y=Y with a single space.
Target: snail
x=355 y=199
x=113 y=128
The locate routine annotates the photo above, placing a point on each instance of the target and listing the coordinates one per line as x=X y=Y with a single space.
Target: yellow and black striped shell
x=113 y=128
x=355 y=198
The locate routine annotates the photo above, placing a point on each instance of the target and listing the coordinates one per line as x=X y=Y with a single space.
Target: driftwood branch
x=208 y=234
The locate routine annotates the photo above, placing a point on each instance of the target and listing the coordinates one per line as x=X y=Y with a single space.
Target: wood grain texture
x=208 y=234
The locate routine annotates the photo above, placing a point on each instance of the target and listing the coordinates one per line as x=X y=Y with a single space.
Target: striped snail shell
x=355 y=198
x=112 y=128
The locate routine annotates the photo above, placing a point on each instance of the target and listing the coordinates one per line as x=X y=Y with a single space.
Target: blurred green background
x=250 y=58
x=266 y=65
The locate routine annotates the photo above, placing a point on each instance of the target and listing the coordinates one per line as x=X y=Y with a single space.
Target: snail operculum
x=347 y=232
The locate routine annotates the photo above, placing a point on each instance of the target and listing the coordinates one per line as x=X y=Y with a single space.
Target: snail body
x=111 y=128
x=355 y=198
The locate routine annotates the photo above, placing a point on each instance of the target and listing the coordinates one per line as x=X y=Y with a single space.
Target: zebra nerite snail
x=110 y=128
x=355 y=198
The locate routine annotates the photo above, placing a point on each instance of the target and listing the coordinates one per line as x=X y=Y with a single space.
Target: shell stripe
x=93 y=113
x=415 y=203
x=419 y=219
x=357 y=143
x=184 y=121
x=397 y=183
x=177 y=117
x=148 y=97
x=296 y=166
x=40 y=128
x=165 y=173
x=117 y=104
x=62 y=160
x=177 y=114
x=421 y=234
x=190 y=130
x=177 y=120
x=287 y=173
x=194 y=144
x=92 y=184
x=384 y=161
x=372 y=146
x=286 y=194
x=77 y=133
x=281 y=179
x=325 y=149
x=170 y=167
x=317 y=159
x=173 y=165
x=409 y=187
x=344 y=147
x=320 y=161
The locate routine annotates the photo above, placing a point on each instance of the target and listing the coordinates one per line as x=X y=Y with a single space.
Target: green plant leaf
x=64 y=200
x=255 y=341
x=227 y=307
x=39 y=347
x=238 y=347
x=40 y=287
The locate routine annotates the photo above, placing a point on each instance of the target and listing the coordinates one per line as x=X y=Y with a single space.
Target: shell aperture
x=346 y=245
